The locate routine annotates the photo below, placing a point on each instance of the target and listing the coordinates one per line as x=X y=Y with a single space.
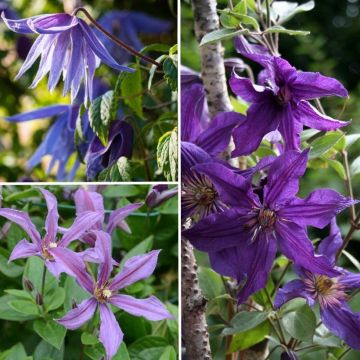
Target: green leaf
x=323 y=144
x=147 y=348
x=301 y=323
x=282 y=11
x=221 y=34
x=122 y=353
x=241 y=8
x=173 y=50
x=10 y=270
x=351 y=139
x=89 y=339
x=20 y=195
x=171 y=73
x=55 y=300
x=45 y=351
x=73 y=292
x=338 y=167
x=17 y=352
x=7 y=313
x=228 y=21
x=131 y=91
x=153 y=69
x=51 y=332
x=246 y=339
x=155 y=47
x=27 y=307
x=245 y=320
x=281 y=30
x=167 y=155
x=20 y=294
x=141 y=248
x=169 y=353
x=121 y=191
x=120 y=171
x=210 y=283
x=355 y=166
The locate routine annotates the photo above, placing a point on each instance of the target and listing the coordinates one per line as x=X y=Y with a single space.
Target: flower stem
x=348 y=184
x=115 y=39
x=43 y=287
x=355 y=225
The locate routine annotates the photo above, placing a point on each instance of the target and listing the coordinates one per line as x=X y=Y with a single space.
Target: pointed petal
x=330 y=245
x=80 y=315
x=118 y=216
x=83 y=222
x=254 y=52
x=290 y=128
x=220 y=231
x=44 y=112
x=151 y=308
x=91 y=63
x=136 y=268
x=283 y=178
x=310 y=85
x=55 y=268
x=110 y=335
x=343 y=323
x=317 y=209
x=99 y=49
x=53 y=24
x=296 y=246
x=350 y=280
x=74 y=266
x=24 y=249
x=103 y=249
x=191 y=155
x=311 y=117
x=261 y=118
x=291 y=290
x=233 y=189
x=217 y=136
x=23 y=220
x=19 y=26
x=51 y=223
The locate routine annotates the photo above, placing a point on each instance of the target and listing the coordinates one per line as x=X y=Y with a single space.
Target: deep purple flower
x=66 y=45
x=128 y=26
x=242 y=241
x=159 y=194
x=104 y=292
x=280 y=102
x=44 y=246
x=329 y=292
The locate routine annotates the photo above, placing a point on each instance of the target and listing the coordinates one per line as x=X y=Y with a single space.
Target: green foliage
x=167 y=155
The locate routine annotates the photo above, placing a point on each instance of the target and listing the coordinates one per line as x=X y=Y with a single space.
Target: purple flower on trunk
x=331 y=292
x=159 y=194
x=104 y=292
x=242 y=241
x=66 y=45
x=44 y=246
x=281 y=103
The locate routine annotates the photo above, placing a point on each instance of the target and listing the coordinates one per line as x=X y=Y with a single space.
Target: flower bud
x=158 y=195
x=39 y=299
x=74 y=304
x=28 y=285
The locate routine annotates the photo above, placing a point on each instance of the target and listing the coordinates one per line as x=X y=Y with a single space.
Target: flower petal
x=83 y=222
x=317 y=209
x=74 y=266
x=291 y=290
x=23 y=220
x=220 y=231
x=52 y=24
x=80 y=315
x=350 y=280
x=330 y=245
x=151 y=308
x=283 y=178
x=42 y=113
x=110 y=335
x=19 y=26
x=255 y=52
x=136 y=268
x=191 y=155
x=24 y=249
x=103 y=249
x=52 y=218
x=296 y=246
x=343 y=323
x=118 y=216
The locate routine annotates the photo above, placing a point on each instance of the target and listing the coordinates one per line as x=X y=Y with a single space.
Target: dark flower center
x=283 y=96
x=323 y=284
x=102 y=294
x=266 y=218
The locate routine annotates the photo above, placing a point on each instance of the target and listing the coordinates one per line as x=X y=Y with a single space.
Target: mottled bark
x=193 y=304
x=212 y=57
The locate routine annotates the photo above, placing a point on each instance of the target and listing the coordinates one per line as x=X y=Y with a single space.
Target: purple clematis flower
x=329 y=292
x=159 y=194
x=43 y=247
x=66 y=45
x=242 y=241
x=281 y=103
x=104 y=292
x=127 y=26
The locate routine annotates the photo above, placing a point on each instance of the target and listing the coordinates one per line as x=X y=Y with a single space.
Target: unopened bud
x=158 y=195
x=74 y=304
x=28 y=285
x=39 y=299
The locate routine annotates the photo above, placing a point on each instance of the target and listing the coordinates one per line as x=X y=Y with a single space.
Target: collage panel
x=88 y=90
x=89 y=272
x=270 y=180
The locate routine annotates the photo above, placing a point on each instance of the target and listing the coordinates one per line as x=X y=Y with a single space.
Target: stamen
x=102 y=294
x=266 y=219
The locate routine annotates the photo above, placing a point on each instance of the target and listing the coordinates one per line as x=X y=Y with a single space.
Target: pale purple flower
x=44 y=246
x=66 y=45
x=105 y=292
x=159 y=194
x=242 y=240
x=331 y=292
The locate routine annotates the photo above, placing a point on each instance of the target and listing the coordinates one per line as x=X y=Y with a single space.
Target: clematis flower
x=331 y=292
x=43 y=247
x=242 y=240
x=129 y=26
x=159 y=194
x=66 y=45
x=104 y=292
x=281 y=103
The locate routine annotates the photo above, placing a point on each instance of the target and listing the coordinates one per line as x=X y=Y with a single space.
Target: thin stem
x=348 y=184
x=43 y=287
x=354 y=226
x=281 y=278
x=231 y=5
x=268 y=15
x=342 y=356
x=319 y=106
x=113 y=38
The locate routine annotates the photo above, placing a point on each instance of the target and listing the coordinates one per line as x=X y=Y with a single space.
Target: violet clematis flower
x=104 y=292
x=159 y=194
x=43 y=247
x=127 y=26
x=120 y=143
x=242 y=241
x=281 y=103
x=329 y=292
x=66 y=45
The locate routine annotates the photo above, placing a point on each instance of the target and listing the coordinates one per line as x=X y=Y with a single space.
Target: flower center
x=266 y=218
x=283 y=96
x=102 y=294
x=45 y=251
